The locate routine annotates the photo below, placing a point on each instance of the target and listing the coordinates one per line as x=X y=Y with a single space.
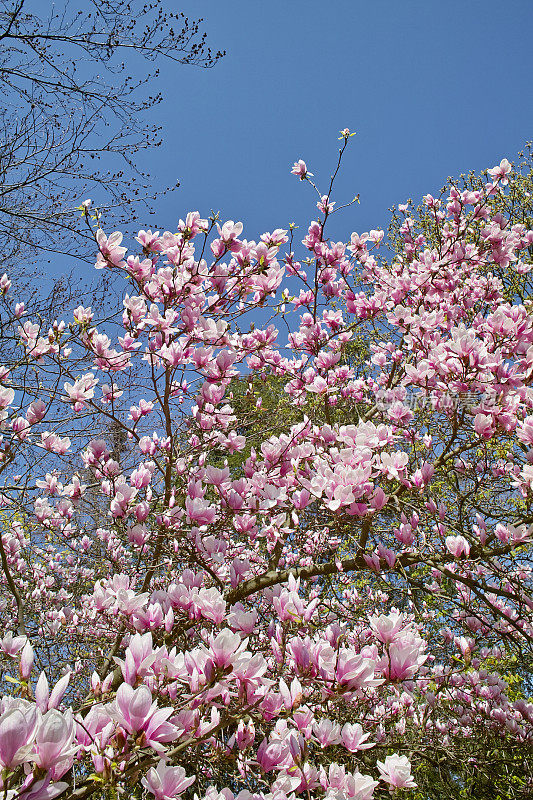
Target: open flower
x=166 y=782
x=134 y=711
x=396 y=771
x=54 y=742
x=17 y=729
x=300 y=168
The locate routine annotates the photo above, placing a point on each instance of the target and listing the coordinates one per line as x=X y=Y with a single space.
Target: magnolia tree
x=201 y=602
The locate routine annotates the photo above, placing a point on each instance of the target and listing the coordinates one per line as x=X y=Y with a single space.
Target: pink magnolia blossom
x=166 y=782
x=35 y=412
x=54 y=742
x=27 y=657
x=18 y=724
x=501 y=172
x=355 y=672
x=359 y=786
x=55 y=444
x=396 y=771
x=11 y=645
x=42 y=789
x=111 y=253
x=46 y=700
x=300 y=168
x=405 y=656
x=458 y=546
x=354 y=739
x=327 y=732
x=388 y=626
x=134 y=710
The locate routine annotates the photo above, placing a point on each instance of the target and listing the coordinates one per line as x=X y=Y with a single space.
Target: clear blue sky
x=432 y=88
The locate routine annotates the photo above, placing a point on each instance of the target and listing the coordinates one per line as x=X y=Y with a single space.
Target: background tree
x=73 y=117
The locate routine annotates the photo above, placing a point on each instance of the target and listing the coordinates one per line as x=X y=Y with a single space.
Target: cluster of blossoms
x=228 y=599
